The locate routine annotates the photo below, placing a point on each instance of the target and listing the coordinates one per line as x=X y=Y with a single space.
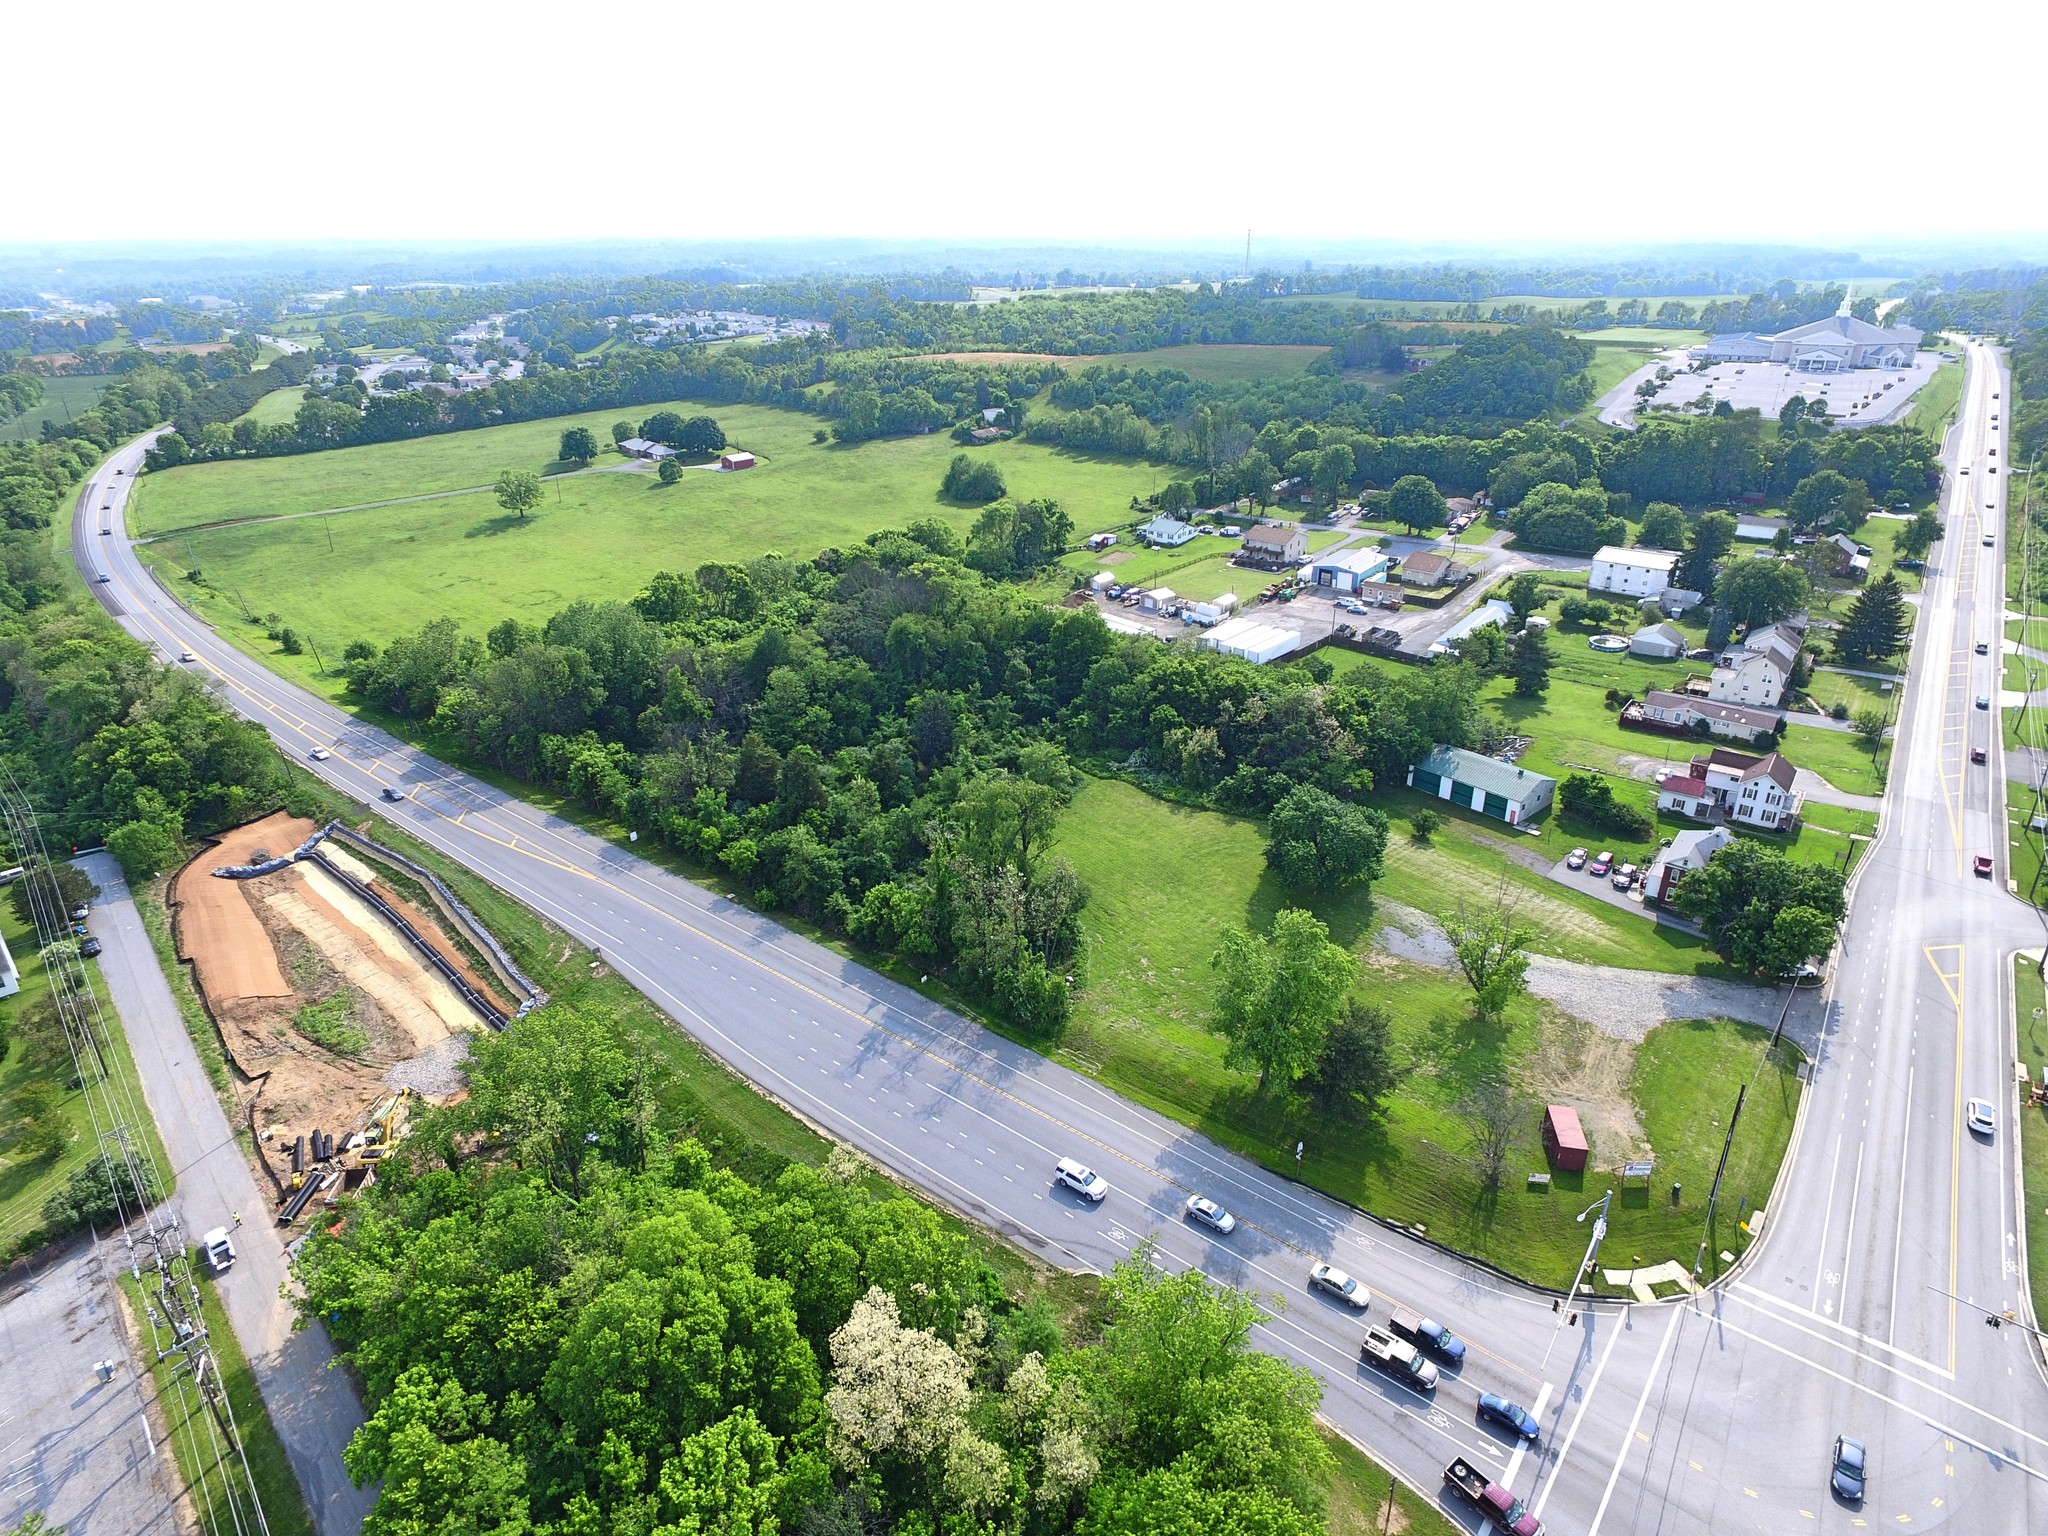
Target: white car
x=1325 y=1277
x=1201 y=1208
x=1977 y=1114
x=186 y=656
x=320 y=754
x=219 y=1249
x=1081 y=1179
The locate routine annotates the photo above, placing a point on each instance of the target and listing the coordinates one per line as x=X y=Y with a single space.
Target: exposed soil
x=1574 y=1063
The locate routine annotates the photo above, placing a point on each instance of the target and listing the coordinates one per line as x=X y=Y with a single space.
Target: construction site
x=345 y=982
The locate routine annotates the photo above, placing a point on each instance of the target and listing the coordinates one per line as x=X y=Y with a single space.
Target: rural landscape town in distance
x=678 y=865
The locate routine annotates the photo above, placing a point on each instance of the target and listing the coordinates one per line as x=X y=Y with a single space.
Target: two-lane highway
x=1714 y=1416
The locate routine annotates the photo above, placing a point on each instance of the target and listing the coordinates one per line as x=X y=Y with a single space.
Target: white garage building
x=1630 y=572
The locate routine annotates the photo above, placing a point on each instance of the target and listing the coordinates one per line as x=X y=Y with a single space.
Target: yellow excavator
x=384 y=1125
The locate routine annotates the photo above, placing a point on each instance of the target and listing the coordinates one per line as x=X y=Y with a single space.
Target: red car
x=1600 y=865
x=1984 y=865
x=1976 y=754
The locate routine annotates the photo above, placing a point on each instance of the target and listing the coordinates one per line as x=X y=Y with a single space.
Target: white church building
x=1833 y=345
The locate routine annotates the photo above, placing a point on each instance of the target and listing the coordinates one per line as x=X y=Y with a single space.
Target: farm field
x=1167 y=881
x=277 y=407
x=1212 y=362
x=1646 y=339
x=373 y=573
x=62 y=399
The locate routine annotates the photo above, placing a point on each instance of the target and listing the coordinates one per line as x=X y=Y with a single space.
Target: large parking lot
x=1861 y=397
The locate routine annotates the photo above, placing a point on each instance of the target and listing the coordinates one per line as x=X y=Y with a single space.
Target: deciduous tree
x=1492 y=950
x=1318 y=842
x=518 y=490
x=1416 y=504
x=1278 y=995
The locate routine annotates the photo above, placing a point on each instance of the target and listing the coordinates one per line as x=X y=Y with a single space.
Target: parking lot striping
x=1621 y=1455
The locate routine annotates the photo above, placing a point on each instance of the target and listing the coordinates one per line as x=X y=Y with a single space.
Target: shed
x=1101 y=581
x=737 y=460
x=1484 y=784
x=1659 y=641
x=1255 y=642
x=1563 y=1140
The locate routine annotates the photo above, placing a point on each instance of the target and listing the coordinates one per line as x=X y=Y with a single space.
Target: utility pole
x=1714 y=1194
x=1564 y=1311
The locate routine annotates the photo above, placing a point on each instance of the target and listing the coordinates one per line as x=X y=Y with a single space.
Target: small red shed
x=1563 y=1140
x=737 y=460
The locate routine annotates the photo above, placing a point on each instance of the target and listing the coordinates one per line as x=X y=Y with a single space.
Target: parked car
x=1602 y=863
x=80 y=912
x=89 y=948
x=1510 y=1416
x=1576 y=859
x=1201 y=1208
x=1081 y=1179
x=1327 y=1277
x=1851 y=1469
x=1977 y=1114
x=1625 y=877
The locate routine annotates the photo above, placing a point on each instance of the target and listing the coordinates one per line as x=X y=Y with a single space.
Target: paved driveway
x=74 y=1448
x=314 y=1408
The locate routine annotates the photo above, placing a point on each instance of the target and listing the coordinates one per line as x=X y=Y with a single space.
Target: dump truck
x=1398 y=1357
x=1502 y=1509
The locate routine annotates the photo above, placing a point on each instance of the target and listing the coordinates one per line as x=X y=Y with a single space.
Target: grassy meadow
x=1166 y=881
x=376 y=572
x=277 y=407
x=2030 y=1004
x=1934 y=410
x=62 y=399
x=1211 y=362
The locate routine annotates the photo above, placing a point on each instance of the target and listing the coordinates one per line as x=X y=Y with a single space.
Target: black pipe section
x=476 y=1000
x=300 y=1197
x=299 y=1155
x=327 y=1147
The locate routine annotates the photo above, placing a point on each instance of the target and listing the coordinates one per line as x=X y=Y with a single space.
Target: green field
x=1431 y=309
x=1647 y=339
x=26 y=1183
x=1218 y=362
x=1934 y=410
x=374 y=573
x=1165 y=881
x=2031 y=1007
x=62 y=399
x=277 y=407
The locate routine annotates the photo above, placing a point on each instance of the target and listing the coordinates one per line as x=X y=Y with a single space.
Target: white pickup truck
x=1399 y=1357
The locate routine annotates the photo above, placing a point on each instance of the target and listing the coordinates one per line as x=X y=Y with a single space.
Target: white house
x=1676 y=602
x=1685 y=853
x=1660 y=642
x=1631 y=572
x=1757 y=674
x=1757 y=528
x=1733 y=786
x=1347 y=570
x=1492 y=611
x=1687 y=711
x=10 y=978
x=643 y=448
x=1166 y=532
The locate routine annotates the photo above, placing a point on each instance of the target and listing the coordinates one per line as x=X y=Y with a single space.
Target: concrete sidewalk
x=314 y=1407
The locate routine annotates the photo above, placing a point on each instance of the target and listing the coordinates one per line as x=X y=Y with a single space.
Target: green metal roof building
x=1484 y=784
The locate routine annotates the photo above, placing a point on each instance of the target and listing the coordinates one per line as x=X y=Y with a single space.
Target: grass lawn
x=1934 y=408
x=2032 y=633
x=1646 y=338
x=374 y=573
x=1357 y=1490
x=1840 y=757
x=212 y=1474
x=1828 y=689
x=62 y=400
x=1610 y=365
x=277 y=407
x=24 y=1184
x=2031 y=1007
x=1166 y=881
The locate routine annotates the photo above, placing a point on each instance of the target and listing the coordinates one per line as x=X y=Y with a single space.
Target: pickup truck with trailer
x=1399 y=1357
x=1502 y=1509
x=1429 y=1333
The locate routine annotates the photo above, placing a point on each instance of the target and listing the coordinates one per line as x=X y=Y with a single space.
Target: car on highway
x=89 y=948
x=1983 y=649
x=1081 y=1179
x=1987 y=541
x=1851 y=1470
x=1983 y=865
x=187 y=656
x=1201 y=1208
x=1976 y=754
x=1978 y=1115
x=320 y=754
x=1327 y=1277
x=1983 y=701
x=1603 y=861
x=103 y=578
x=1430 y=1334
x=1509 y=1416
x=1576 y=859
x=388 y=793
x=106 y=533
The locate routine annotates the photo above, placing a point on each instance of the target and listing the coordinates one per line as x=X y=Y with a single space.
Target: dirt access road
x=314 y=1408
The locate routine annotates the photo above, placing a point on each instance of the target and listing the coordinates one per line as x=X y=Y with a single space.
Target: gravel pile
x=1622 y=1003
x=434 y=1073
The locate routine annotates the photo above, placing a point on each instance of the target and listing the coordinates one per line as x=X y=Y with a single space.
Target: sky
x=1576 y=121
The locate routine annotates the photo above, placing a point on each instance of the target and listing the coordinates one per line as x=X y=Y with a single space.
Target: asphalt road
x=1716 y=1415
x=315 y=1408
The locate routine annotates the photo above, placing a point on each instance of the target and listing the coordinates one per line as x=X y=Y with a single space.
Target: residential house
x=1687 y=712
x=1487 y=785
x=1348 y=570
x=1678 y=858
x=1378 y=594
x=645 y=448
x=1677 y=602
x=1630 y=572
x=1758 y=529
x=1846 y=557
x=1430 y=569
x=983 y=435
x=1734 y=786
x=1271 y=544
x=1659 y=642
x=737 y=459
x=1758 y=673
x=1166 y=532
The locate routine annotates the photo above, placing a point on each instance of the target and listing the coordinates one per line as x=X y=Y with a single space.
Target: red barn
x=736 y=461
x=1563 y=1140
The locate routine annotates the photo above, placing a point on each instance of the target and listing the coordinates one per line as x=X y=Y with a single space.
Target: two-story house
x=1734 y=786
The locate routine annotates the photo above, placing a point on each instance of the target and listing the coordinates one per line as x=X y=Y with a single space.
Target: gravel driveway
x=1622 y=1003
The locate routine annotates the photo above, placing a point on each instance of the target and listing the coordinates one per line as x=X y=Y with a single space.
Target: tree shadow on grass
x=490 y=526
x=1462 y=1050
x=1348 y=914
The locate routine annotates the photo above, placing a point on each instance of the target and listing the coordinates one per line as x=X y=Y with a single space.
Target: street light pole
x=1564 y=1312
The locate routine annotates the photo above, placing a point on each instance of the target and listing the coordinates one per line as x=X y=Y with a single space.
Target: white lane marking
x=1891 y=1321
x=1521 y=1445
x=1636 y=1418
x=1572 y=1434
